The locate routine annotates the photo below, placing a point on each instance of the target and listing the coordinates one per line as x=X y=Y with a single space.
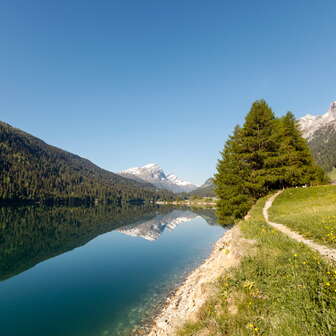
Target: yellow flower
x=248 y=284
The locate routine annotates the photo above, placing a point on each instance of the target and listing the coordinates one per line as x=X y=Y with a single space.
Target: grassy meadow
x=309 y=211
x=281 y=288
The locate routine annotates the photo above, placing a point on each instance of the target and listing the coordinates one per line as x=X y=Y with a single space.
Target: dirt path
x=323 y=250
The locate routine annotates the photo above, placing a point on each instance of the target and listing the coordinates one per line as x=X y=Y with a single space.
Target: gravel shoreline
x=183 y=304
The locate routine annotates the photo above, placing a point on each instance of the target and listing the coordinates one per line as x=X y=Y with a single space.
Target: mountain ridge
x=309 y=124
x=320 y=133
x=154 y=174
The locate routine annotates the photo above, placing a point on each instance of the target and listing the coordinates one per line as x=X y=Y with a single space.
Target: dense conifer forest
x=265 y=154
x=33 y=171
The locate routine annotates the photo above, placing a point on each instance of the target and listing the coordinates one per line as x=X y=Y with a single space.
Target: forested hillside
x=33 y=171
x=205 y=190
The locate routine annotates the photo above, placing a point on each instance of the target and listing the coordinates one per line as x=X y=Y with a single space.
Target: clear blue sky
x=124 y=83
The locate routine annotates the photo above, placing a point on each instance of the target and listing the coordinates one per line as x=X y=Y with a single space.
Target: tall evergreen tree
x=264 y=155
x=296 y=163
x=259 y=147
x=234 y=198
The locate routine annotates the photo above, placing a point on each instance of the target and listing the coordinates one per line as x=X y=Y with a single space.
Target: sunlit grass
x=281 y=289
x=309 y=211
x=332 y=175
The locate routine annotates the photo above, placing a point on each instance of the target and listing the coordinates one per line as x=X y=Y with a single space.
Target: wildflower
x=248 y=284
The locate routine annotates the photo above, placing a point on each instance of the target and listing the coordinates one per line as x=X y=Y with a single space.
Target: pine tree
x=264 y=155
x=234 y=199
x=297 y=165
x=259 y=148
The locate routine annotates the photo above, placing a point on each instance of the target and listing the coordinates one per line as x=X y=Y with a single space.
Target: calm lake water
x=94 y=271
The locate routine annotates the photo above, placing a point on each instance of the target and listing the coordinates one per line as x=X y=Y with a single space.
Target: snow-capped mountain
x=155 y=175
x=320 y=132
x=152 y=229
x=309 y=124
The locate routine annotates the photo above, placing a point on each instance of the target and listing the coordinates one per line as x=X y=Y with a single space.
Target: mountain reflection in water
x=30 y=235
x=81 y=272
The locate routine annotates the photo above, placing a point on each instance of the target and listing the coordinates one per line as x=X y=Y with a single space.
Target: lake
x=101 y=271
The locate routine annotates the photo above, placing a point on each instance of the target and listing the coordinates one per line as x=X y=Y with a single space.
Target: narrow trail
x=323 y=250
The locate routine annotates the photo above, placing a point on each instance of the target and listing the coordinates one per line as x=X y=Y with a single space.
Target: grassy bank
x=281 y=288
x=309 y=211
x=332 y=175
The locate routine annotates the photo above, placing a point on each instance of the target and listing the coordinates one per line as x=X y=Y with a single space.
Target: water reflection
x=30 y=235
x=108 y=283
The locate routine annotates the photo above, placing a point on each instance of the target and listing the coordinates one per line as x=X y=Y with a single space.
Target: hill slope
x=31 y=170
x=308 y=211
x=280 y=288
x=205 y=190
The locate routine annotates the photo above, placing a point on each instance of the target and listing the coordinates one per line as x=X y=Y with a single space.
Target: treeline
x=32 y=171
x=265 y=154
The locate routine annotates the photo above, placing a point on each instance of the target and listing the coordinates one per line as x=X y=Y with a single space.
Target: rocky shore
x=184 y=304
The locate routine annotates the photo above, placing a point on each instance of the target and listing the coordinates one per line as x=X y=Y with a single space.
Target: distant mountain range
x=33 y=171
x=154 y=174
x=320 y=132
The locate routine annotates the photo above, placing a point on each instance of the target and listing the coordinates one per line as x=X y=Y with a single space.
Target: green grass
x=309 y=211
x=281 y=289
x=332 y=175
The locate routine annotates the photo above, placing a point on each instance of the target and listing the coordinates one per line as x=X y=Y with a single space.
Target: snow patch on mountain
x=174 y=179
x=155 y=175
x=310 y=124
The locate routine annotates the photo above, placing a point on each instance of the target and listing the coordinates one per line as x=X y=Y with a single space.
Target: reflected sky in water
x=88 y=272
